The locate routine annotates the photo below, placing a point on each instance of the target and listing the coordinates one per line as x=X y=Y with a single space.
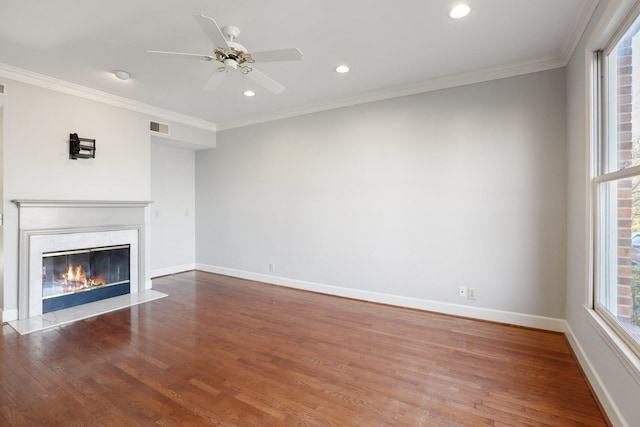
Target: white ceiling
x=393 y=47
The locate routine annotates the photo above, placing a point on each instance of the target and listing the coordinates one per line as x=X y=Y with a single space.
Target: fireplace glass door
x=77 y=277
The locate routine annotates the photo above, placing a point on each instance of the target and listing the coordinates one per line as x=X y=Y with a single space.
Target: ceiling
x=393 y=47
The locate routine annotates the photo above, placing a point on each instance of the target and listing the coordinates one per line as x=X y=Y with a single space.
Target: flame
x=75 y=279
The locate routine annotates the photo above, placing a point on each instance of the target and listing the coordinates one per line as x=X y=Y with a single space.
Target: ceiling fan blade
x=265 y=81
x=185 y=55
x=214 y=81
x=212 y=31
x=277 y=55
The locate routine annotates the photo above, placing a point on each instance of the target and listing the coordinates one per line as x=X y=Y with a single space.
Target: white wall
x=37 y=123
x=1 y=211
x=38 y=116
x=407 y=197
x=173 y=209
x=616 y=387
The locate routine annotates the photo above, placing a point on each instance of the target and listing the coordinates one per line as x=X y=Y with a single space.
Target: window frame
x=603 y=173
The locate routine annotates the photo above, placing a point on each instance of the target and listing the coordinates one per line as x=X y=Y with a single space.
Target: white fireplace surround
x=63 y=240
x=47 y=226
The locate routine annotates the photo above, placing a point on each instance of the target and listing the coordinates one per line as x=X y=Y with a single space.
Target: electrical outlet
x=272 y=267
x=462 y=291
x=471 y=293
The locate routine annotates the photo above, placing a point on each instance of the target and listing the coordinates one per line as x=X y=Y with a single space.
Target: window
x=617 y=188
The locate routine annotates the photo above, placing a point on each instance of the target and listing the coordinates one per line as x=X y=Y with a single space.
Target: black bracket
x=81 y=148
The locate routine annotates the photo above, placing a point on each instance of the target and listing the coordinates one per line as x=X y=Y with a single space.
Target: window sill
x=627 y=357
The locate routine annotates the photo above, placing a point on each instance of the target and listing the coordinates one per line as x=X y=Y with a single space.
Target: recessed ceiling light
x=122 y=75
x=249 y=93
x=460 y=11
x=342 y=69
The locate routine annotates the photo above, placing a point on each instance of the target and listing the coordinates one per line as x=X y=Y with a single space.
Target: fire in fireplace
x=77 y=277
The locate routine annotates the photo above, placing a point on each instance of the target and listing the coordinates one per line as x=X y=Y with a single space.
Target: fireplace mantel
x=41 y=218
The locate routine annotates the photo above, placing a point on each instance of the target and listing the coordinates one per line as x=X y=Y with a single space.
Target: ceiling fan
x=234 y=56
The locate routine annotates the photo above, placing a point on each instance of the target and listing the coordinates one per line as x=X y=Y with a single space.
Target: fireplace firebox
x=75 y=277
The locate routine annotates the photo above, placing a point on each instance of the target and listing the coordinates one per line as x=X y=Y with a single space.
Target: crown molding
x=579 y=26
x=445 y=82
x=46 y=82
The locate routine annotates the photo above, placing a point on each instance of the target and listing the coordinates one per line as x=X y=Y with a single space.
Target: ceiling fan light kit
x=233 y=56
x=230 y=64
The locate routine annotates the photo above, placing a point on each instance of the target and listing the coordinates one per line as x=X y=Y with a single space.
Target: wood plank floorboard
x=230 y=352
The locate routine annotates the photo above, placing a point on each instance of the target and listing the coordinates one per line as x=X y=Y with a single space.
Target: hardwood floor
x=231 y=352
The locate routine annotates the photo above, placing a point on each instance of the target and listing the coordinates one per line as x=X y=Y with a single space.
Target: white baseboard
x=9 y=315
x=601 y=391
x=172 y=270
x=528 y=320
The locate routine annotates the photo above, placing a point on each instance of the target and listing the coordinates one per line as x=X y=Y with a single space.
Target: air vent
x=159 y=127
x=2 y=89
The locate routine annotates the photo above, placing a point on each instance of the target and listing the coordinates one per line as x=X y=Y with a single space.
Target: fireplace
x=102 y=243
x=75 y=277
x=87 y=253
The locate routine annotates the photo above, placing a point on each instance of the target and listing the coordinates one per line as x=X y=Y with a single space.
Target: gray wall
x=411 y=196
